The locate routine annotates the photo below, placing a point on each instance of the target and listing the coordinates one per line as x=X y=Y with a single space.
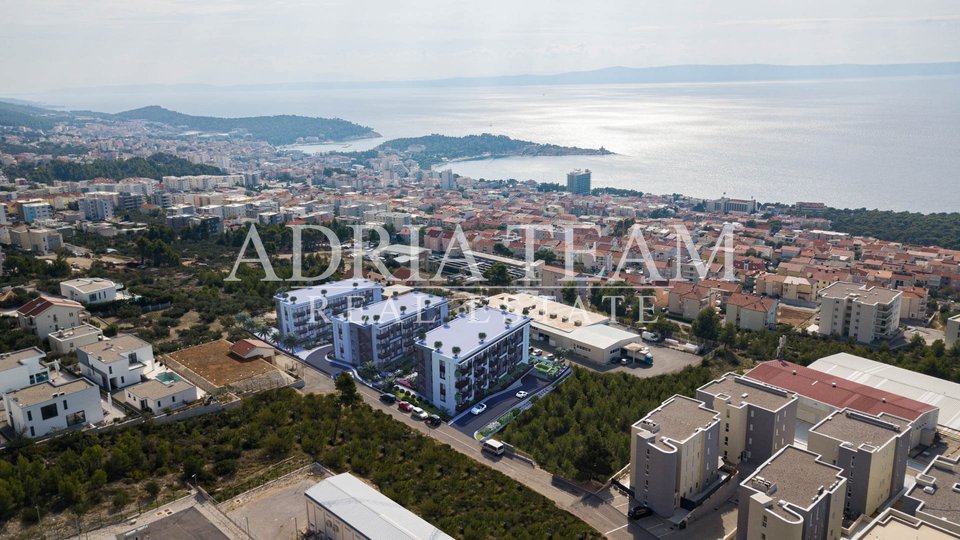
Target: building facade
x=864 y=313
x=66 y=341
x=308 y=312
x=158 y=397
x=45 y=315
x=19 y=369
x=44 y=408
x=386 y=331
x=461 y=361
x=117 y=362
x=89 y=290
x=578 y=182
x=951 y=335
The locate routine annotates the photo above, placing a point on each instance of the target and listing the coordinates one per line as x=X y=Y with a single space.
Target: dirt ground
x=795 y=316
x=213 y=362
x=275 y=511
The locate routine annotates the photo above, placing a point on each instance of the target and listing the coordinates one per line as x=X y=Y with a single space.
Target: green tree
x=569 y=292
x=707 y=324
x=347 y=396
x=498 y=275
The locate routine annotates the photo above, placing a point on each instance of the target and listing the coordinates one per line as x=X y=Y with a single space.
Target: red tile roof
x=836 y=391
x=41 y=303
x=244 y=346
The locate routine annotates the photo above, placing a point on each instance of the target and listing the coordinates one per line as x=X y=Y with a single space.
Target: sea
x=890 y=143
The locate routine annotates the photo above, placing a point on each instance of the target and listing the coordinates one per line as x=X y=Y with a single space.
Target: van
x=494 y=446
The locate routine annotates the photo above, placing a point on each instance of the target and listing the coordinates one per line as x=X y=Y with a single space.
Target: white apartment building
x=462 y=361
x=117 y=362
x=864 y=313
x=89 y=290
x=795 y=495
x=44 y=408
x=45 y=315
x=96 y=207
x=66 y=341
x=674 y=454
x=386 y=331
x=36 y=211
x=19 y=369
x=308 y=312
x=952 y=333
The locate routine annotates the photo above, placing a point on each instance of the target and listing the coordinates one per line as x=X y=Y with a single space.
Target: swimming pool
x=168 y=377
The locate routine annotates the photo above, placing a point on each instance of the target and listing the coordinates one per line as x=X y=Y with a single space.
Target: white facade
x=157 y=397
x=45 y=315
x=864 y=313
x=89 y=290
x=307 y=312
x=43 y=408
x=952 y=333
x=116 y=363
x=19 y=369
x=67 y=341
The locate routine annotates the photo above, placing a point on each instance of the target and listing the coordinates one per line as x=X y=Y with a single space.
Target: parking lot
x=498 y=405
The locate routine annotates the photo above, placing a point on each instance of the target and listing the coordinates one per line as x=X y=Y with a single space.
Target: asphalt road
x=604 y=512
x=498 y=405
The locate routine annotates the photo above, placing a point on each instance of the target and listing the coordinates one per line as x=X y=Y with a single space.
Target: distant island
x=277 y=130
x=434 y=149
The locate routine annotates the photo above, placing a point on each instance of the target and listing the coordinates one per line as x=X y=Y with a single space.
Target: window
x=48 y=411
x=65 y=406
x=29 y=416
x=443 y=370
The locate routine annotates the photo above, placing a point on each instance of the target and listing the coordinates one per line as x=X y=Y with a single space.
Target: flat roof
x=389 y=310
x=893 y=525
x=333 y=289
x=187 y=524
x=603 y=336
x=860 y=293
x=836 y=391
x=111 y=350
x=89 y=284
x=154 y=389
x=13 y=359
x=464 y=330
x=43 y=392
x=75 y=332
x=679 y=418
x=858 y=428
x=547 y=313
x=742 y=390
x=944 y=502
x=925 y=389
x=370 y=512
x=798 y=475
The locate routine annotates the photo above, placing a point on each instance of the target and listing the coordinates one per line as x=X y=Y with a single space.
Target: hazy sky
x=51 y=44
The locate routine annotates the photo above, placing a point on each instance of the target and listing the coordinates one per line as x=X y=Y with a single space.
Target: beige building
x=67 y=341
x=794 y=495
x=935 y=498
x=896 y=525
x=871 y=450
x=866 y=314
x=674 y=454
x=789 y=288
x=45 y=315
x=756 y=419
x=952 y=333
x=751 y=312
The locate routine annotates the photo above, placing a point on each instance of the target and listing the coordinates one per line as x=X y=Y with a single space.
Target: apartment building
x=96 y=206
x=43 y=408
x=308 y=312
x=36 y=239
x=756 y=419
x=66 y=341
x=952 y=333
x=794 y=495
x=871 y=450
x=461 y=361
x=674 y=454
x=32 y=212
x=893 y=524
x=343 y=507
x=386 y=331
x=751 y=312
x=864 y=313
x=725 y=205
x=935 y=498
x=45 y=315
x=117 y=362
x=19 y=369
x=89 y=290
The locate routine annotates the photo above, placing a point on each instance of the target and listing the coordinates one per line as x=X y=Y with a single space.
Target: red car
x=405 y=406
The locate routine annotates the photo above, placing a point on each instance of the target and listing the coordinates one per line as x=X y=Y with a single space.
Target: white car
x=522 y=394
x=478 y=409
x=419 y=414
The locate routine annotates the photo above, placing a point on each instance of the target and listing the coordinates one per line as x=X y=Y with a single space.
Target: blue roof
x=333 y=288
x=389 y=309
x=464 y=331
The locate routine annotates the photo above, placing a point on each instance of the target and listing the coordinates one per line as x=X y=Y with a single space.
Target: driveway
x=498 y=405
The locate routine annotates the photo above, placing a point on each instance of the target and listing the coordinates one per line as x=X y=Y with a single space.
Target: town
x=483 y=358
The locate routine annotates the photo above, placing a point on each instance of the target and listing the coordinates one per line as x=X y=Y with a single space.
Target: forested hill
x=908 y=227
x=439 y=148
x=155 y=166
x=280 y=129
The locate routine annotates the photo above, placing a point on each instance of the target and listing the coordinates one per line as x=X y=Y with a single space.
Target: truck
x=646 y=359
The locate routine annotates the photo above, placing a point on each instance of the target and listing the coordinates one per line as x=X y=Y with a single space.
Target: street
x=498 y=405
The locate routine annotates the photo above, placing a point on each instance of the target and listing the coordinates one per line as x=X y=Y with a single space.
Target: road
x=498 y=405
x=606 y=513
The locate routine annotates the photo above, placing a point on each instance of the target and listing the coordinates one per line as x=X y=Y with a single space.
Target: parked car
x=389 y=399
x=522 y=394
x=405 y=406
x=638 y=512
x=418 y=414
x=479 y=408
x=531 y=349
x=538 y=352
x=624 y=361
x=551 y=356
x=650 y=336
x=433 y=420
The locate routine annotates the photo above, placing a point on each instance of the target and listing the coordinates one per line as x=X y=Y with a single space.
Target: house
x=117 y=362
x=688 y=299
x=674 y=454
x=45 y=314
x=19 y=369
x=67 y=341
x=345 y=507
x=44 y=408
x=89 y=290
x=252 y=348
x=158 y=396
x=751 y=312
